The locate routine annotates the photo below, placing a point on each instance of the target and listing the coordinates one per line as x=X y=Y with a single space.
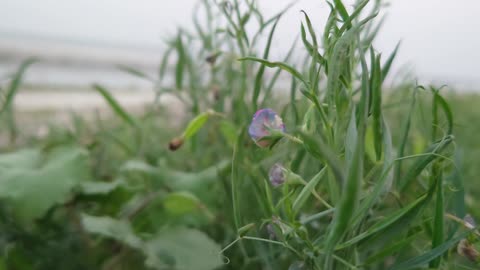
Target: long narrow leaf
x=12 y=89
x=116 y=107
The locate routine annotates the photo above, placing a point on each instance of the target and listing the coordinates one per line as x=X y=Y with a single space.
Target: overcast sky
x=440 y=38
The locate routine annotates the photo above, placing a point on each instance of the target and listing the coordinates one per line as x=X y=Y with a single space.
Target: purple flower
x=277 y=175
x=263 y=122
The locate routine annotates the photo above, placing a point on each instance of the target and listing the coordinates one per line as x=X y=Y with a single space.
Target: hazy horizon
x=438 y=37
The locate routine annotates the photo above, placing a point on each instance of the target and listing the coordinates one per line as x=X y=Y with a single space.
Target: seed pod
x=263 y=123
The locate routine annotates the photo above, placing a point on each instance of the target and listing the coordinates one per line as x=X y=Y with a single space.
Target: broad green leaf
x=100 y=188
x=182 y=248
x=138 y=166
x=57 y=173
x=178 y=180
x=108 y=227
x=22 y=159
x=180 y=203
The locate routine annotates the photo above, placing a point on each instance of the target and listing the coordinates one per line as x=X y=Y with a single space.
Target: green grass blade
x=162 y=69
x=310 y=48
x=351 y=138
x=377 y=106
x=341 y=10
x=424 y=259
x=259 y=77
x=116 y=107
x=234 y=180
x=358 y=9
x=388 y=64
x=195 y=125
x=430 y=155
x=336 y=66
x=439 y=100
x=318 y=149
x=406 y=213
x=275 y=76
x=438 y=221
x=181 y=61
x=135 y=72
x=404 y=136
x=280 y=65
x=351 y=188
x=384 y=182
x=308 y=190
x=12 y=89
x=390 y=250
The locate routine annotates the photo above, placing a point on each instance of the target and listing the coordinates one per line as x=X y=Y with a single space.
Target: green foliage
x=26 y=183
x=385 y=184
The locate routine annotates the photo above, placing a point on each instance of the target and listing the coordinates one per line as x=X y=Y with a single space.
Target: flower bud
x=263 y=122
x=469 y=222
x=175 y=144
x=277 y=175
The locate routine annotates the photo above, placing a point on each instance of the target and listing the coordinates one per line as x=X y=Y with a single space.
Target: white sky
x=440 y=38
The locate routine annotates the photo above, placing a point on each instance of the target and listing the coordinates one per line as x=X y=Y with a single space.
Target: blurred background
x=83 y=41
